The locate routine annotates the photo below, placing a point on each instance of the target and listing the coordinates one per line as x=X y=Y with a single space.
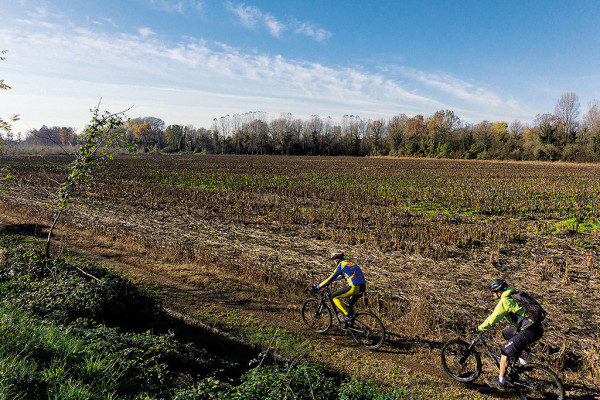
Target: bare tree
x=567 y=112
x=591 y=121
x=516 y=128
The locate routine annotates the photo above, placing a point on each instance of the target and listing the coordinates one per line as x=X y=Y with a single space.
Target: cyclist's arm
x=337 y=274
x=499 y=312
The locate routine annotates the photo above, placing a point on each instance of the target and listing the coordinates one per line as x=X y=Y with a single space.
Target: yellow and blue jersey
x=348 y=270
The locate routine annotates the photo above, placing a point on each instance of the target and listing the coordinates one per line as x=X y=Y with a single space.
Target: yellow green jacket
x=509 y=309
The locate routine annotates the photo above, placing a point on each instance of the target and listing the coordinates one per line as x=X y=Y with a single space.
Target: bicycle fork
x=319 y=310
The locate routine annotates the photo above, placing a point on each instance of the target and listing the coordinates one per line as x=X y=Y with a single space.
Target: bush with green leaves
x=65 y=292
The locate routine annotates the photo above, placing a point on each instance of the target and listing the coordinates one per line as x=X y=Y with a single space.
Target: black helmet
x=337 y=255
x=498 y=285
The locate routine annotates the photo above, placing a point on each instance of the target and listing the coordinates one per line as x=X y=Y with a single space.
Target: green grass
x=37 y=358
x=572 y=226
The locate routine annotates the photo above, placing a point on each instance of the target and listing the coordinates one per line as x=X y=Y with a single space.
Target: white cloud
x=275 y=27
x=145 y=32
x=249 y=16
x=318 y=34
x=176 y=7
x=171 y=7
x=252 y=17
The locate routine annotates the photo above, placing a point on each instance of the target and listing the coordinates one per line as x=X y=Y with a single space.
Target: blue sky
x=190 y=61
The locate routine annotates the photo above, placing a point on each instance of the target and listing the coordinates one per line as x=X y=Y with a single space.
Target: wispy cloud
x=249 y=16
x=145 y=32
x=318 y=34
x=275 y=27
x=252 y=17
x=457 y=89
x=173 y=7
x=176 y=7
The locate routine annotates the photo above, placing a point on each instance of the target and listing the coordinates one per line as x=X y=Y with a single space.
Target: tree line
x=561 y=135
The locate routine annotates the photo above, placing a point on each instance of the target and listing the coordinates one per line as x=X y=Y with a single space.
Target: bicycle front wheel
x=535 y=381
x=367 y=330
x=316 y=315
x=460 y=361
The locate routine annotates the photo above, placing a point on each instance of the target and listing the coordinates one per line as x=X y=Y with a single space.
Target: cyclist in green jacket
x=523 y=332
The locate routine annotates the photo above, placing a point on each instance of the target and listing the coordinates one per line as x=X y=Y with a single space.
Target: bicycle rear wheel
x=367 y=330
x=316 y=315
x=535 y=381
x=460 y=361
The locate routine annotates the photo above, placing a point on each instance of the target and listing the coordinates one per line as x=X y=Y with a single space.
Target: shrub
x=66 y=293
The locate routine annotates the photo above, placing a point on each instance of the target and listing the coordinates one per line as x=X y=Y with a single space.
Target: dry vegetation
x=430 y=234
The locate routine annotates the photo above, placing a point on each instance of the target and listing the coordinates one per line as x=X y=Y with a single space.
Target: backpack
x=533 y=309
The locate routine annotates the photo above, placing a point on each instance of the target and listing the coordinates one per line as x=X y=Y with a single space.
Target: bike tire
x=367 y=330
x=316 y=315
x=460 y=361
x=536 y=381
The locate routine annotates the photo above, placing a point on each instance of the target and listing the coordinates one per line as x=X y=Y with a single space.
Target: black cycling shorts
x=518 y=340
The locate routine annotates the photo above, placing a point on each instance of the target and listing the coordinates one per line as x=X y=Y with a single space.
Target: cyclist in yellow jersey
x=349 y=270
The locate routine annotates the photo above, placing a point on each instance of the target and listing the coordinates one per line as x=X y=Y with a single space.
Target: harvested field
x=429 y=234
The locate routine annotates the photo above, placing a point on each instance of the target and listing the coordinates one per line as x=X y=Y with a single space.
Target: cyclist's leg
x=515 y=344
x=352 y=304
x=509 y=332
x=341 y=293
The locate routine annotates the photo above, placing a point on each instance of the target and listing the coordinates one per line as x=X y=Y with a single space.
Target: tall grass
x=41 y=360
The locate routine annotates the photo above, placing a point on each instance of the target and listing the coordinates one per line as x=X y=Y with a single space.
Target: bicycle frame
x=485 y=340
x=365 y=327
x=327 y=296
x=462 y=361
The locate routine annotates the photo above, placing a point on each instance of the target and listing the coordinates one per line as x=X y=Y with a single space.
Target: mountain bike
x=366 y=329
x=530 y=381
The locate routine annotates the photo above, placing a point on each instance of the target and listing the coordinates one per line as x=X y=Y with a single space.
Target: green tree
x=175 y=137
x=101 y=138
x=5 y=125
x=547 y=124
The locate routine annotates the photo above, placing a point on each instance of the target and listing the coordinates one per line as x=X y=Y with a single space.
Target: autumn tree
x=440 y=128
x=66 y=136
x=143 y=135
x=414 y=136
